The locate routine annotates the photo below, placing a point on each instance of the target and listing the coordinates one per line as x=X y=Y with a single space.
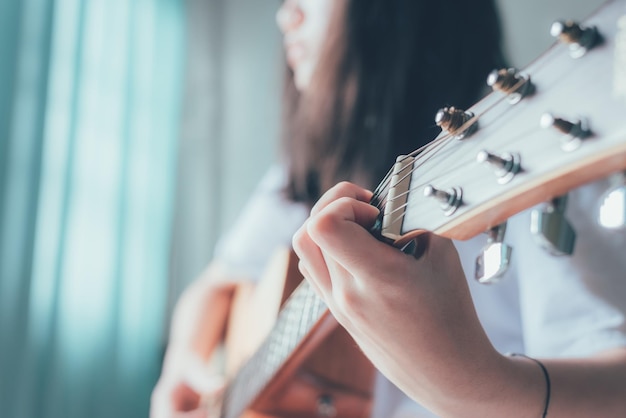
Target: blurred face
x=303 y=24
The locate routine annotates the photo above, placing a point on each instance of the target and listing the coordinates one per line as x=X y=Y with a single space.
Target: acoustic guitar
x=554 y=126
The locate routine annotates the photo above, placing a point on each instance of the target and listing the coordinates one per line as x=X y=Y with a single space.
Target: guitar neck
x=302 y=313
x=565 y=131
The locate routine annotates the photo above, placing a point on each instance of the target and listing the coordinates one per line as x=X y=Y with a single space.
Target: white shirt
x=545 y=306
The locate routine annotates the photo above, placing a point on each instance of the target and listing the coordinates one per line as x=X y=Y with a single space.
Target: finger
x=343 y=189
x=311 y=263
x=341 y=230
x=326 y=293
x=307 y=276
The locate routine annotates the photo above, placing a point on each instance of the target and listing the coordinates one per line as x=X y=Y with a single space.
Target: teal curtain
x=89 y=109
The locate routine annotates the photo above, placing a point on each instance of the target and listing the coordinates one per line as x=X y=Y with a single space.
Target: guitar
x=543 y=131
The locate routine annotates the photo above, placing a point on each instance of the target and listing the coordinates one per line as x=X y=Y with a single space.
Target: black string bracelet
x=546 y=375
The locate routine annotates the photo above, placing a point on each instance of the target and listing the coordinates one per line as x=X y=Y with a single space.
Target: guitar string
x=417 y=187
x=534 y=67
x=425 y=152
x=454 y=170
x=425 y=156
x=429 y=149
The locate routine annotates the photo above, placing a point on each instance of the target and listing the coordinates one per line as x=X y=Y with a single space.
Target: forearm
x=516 y=387
x=594 y=387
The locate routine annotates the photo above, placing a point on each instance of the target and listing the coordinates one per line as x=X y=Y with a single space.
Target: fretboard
x=300 y=313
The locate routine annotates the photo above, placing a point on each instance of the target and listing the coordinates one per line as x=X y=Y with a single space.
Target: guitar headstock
x=544 y=130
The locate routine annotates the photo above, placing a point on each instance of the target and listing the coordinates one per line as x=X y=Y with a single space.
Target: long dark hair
x=386 y=67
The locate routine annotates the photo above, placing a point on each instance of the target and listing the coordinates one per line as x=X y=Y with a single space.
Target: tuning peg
x=449 y=199
x=455 y=121
x=495 y=258
x=506 y=165
x=574 y=132
x=579 y=39
x=612 y=209
x=551 y=229
x=509 y=81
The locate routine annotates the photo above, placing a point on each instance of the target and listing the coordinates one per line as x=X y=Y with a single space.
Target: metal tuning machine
x=579 y=39
x=573 y=132
x=495 y=258
x=449 y=200
x=512 y=83
x=506 y=165
x=551 y=229
x=458 y=123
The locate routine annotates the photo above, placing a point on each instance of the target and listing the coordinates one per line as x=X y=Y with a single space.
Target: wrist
x=546 y=376
x=502 y=385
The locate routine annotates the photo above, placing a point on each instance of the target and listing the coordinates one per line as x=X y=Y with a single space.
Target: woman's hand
x=186 y=398
x=414 y=318
x=188 y=383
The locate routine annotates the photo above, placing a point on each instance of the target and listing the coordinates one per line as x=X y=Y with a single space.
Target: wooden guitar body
x=327 y=375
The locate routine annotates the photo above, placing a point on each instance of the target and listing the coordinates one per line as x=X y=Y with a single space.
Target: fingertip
x=296 y=239
x=340 y=190
x=302 y=268
x=370 y=211
x=339 y=214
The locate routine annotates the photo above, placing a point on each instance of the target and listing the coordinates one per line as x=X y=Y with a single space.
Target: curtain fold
x=89 y=110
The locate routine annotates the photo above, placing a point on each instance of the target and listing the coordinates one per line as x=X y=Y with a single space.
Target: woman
x=442 y=339
x=364 y=81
